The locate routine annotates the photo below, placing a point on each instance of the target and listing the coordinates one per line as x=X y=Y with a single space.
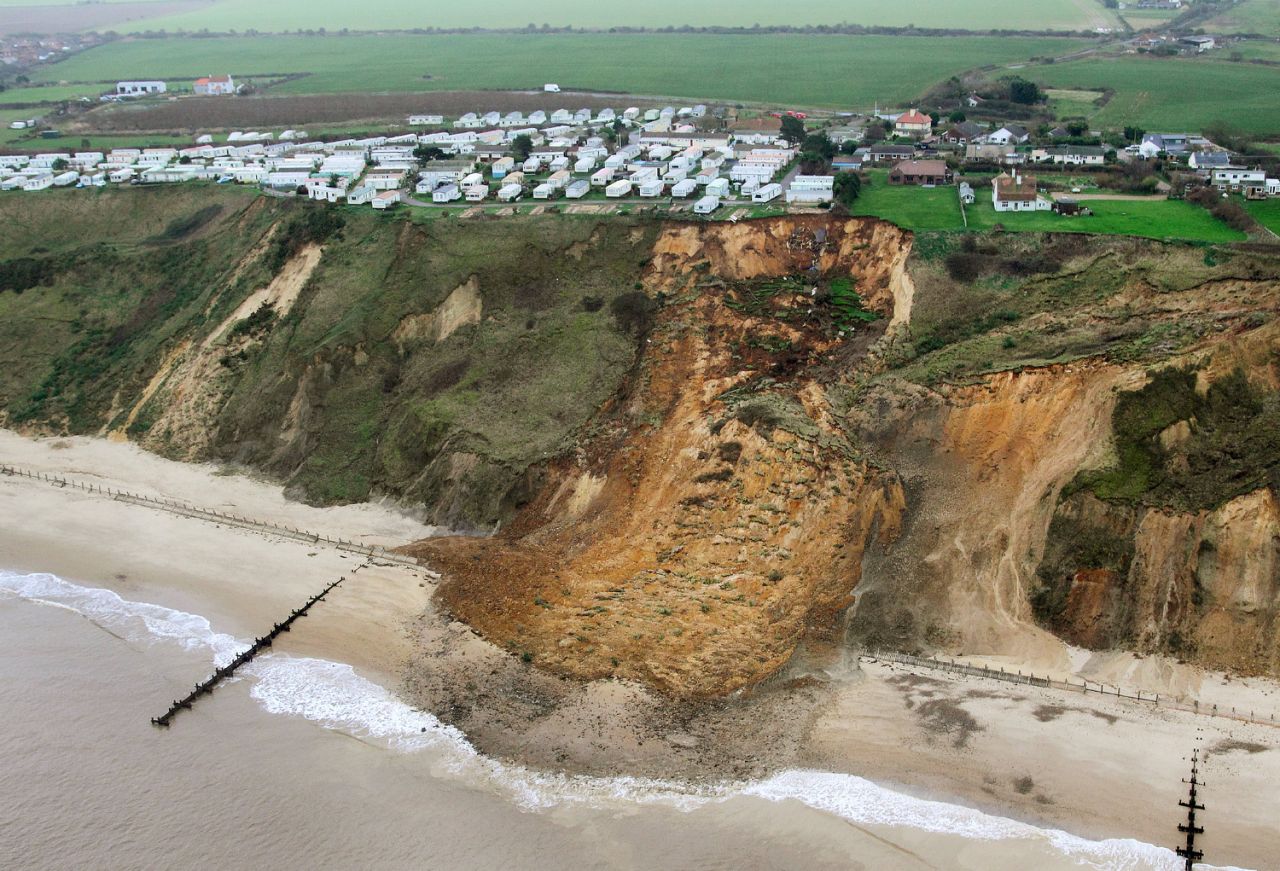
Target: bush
x=965 y=265
x=633 y=312
x=314 y=227
x=24 y=273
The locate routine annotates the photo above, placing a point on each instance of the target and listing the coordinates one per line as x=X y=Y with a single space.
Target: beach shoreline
x=1093 y=766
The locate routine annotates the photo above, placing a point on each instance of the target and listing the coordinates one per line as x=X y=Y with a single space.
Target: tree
x=874 y=133
x=424 y=153
x=935 y=118
x=521 y=146
x=847 y=187
x=1134 y=134
x=848 y=146
x=956 y=117
x=1077 y=128
x=819 y=144
x=792 y=129
x=1023 y=91
x=59 y=165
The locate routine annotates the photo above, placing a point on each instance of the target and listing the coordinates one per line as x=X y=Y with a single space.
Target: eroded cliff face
x=707 y=445
x=716 y=514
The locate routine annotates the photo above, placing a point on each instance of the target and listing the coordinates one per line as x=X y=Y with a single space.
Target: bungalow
x=926 y=173
x=1070 y=155
x=1010 y=134
x=964 y=133
x=214 y=86
x=1170 y=143
x=846 y=163
x=913 y=123
x=1207 y=161
x=139 y=89
x=884 y=153
x=1235 y=179
x=1017 y=193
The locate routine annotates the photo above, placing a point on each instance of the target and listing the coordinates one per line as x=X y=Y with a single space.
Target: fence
x=1084 y=686
x=185 y=509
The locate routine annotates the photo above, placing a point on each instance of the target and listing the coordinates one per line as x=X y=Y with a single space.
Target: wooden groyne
x=206 y=687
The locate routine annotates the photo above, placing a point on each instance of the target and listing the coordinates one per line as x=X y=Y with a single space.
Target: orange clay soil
x=692 y=539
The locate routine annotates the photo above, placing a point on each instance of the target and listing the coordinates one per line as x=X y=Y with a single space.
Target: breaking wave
x=335 y=696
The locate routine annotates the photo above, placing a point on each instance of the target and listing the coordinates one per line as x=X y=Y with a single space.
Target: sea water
x=300 y=762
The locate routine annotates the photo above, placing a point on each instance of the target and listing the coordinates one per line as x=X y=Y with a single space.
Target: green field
x=1174 y=94
x=287 y=15
x=1154 y=219
x=54 y=93
x=914 y=208
x=1247 y=16
x=911 y=208
x=1254 y=49
x=1266 y=213
x=837 y=71
x=1066 y=103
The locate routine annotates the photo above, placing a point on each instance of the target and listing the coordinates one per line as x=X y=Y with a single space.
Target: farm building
x=1017 y=193
x=138 y=89
x=215 y=86
x=920 y=172
x=1068 y=206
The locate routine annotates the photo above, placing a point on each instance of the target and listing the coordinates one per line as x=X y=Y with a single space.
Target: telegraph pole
x=1189 y=852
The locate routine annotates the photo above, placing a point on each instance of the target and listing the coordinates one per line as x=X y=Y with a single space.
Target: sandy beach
x=1093 y=766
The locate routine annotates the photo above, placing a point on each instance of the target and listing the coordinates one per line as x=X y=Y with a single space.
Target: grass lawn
x=1067 y=103
x=283 y=15
x=1154 y=219
x=1247 y=16
x=55 y=93
x=911 y=208
x=1174 y=93
x=1254 y=49
x=1266 y=213
x=836 y=71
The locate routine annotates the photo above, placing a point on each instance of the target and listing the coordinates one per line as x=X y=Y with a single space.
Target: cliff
x=704 y=447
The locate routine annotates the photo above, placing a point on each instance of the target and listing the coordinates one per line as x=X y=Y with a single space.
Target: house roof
x=914 y=116
x=1015 y=187
x=922 y=167
x=1016 y=129
x=1093 y=150
x=893 y=149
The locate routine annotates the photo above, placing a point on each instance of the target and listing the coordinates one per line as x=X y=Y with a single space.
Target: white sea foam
x=333 y=695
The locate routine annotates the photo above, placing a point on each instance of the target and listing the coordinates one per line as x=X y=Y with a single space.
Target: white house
x=619 y=188
x=718 y=187
x=1017 y=193
x=138 y=89
x=602 y=177
x=1013 y=134
x=510 y=192
x=477 y=193
x=214 y=86
x=38 y=182
x=684 y=188
x=360 y=195
x=651 y=188
x=446 y=194
x=425 y=120
x=577 y=189
x=706 y=205
x=386 y=199
x=1236 y=179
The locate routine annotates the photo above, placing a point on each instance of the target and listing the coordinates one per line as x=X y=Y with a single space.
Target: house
x=706 y=205
x=1016 y=193
x=1059 y=132
x=966 y=194
x=885 y=153
x=1011 y=134
x=920 y=172
x=1199 y=43
x=139 y=89
x=215 y=86
x=913 y=123
x=1207 y=161
x=811 y=189
x=1070 y=155
x=1235 y=179
x=964 y=133
x=846 y=163
x=1170 y=143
